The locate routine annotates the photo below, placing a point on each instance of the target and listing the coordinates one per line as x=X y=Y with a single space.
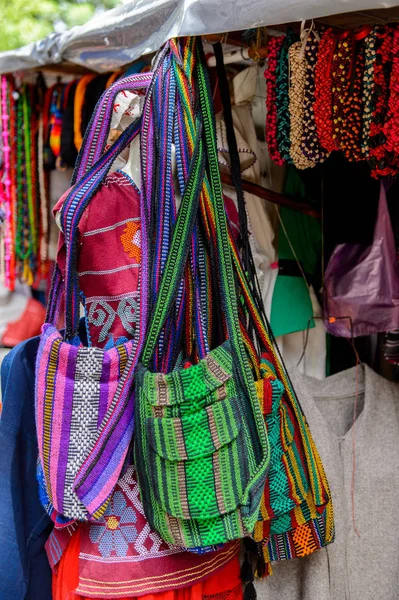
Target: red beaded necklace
x=391 y=127
x=378 y=159
x=271 y=98
x=323 y=90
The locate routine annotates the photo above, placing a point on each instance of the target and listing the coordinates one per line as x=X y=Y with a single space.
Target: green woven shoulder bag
x=201 y=447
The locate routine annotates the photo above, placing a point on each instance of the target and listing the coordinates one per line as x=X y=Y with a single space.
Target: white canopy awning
x=122 y=35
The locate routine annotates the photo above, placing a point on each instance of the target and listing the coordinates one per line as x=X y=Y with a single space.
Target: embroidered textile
x=125 y=554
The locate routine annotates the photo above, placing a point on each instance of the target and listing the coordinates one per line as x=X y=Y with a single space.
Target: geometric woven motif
x=124 y=554
x=103 y=313
x=84 y=419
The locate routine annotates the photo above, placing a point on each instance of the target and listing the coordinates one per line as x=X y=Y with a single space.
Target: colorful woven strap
x=96 y=134
x=226 y=272
x=178 y=251
x=107 y=455
x=244 y=241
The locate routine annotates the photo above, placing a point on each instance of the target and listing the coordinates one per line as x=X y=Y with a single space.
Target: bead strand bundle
x=297 y=67
x=342 y=95
x=378 y=160
x=271 y=105
x=351 y=130
x=24 y=187
x=391 y=127
x=323 y=91
x=6 y=188
x=311 y=147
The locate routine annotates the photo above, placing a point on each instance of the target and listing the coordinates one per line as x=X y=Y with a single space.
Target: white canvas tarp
x=121 y=35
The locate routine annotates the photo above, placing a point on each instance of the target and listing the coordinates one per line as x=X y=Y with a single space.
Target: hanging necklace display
x=391 y=126
x=378 y=159
x=297 y=71
x=23 y=236
x=282 y=98
x=368 y=88
x=6 y=185
x=352 y=112
x=340 y=70
x=323 y=90
x=274 y=48
x=42 y=186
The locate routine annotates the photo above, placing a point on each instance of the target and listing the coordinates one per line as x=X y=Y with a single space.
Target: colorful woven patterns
x=293 y=517
x=323 y=90
x=196 y=442
x=70 y=408
x=271 y=98
x=79 y=389
x=200 y=444
x=301 y=541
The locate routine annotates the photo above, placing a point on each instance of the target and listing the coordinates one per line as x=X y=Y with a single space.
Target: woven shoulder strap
x=96 y=134
x=177 y=256
x=185 y=220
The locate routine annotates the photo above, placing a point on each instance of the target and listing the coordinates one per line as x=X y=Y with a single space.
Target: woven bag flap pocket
x=190 y=386
x=192 y=460
x=196 y=434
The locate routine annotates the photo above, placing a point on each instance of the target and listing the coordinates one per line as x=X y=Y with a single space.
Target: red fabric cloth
x=123 y=548
x=224 y=584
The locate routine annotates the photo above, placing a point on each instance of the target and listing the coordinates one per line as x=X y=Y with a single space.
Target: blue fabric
x=24 y=526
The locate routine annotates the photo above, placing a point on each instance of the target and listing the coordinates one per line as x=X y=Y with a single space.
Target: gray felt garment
x=362 y=565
